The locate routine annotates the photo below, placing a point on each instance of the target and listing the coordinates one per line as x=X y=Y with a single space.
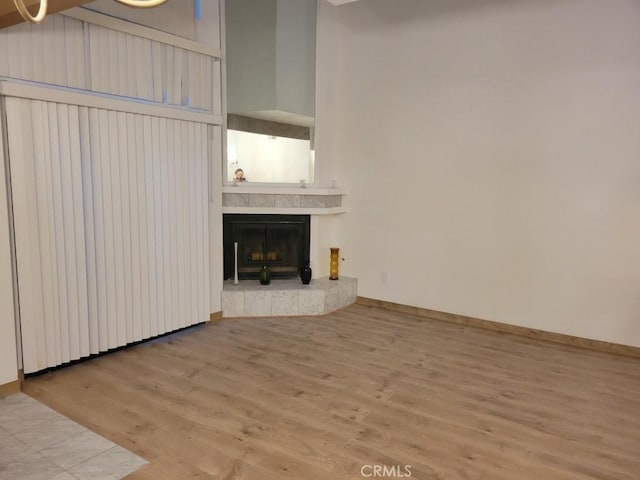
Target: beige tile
x=311 y=302
x=50 y=433
x=113 y=464
x=31 y=467
x=232 y=303
x=287 y=201
x=235 y=200
x=12 y=450
x=16 y=420
x=257 y=303
x=262 y=200
x=76 y=450
x=14 y=402
x=64 y=476
x=37 y=443
x=284 y=302
x=333 y=201
x=312 y=201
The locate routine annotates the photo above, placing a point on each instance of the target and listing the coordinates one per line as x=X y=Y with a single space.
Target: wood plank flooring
x=318 y=398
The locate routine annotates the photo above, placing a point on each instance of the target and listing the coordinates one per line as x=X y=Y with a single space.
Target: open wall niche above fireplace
x=280 y=242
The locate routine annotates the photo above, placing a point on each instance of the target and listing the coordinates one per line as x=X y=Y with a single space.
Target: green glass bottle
x=265 y=275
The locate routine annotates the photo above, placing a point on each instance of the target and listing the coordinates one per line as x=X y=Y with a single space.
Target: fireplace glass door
x=281 y=242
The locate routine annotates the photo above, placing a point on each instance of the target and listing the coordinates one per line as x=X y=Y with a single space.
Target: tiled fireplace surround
x=285 y=297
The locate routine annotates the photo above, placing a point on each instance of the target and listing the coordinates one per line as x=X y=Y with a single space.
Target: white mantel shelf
x=285 y=210
x=279 y=200
x=267 y=190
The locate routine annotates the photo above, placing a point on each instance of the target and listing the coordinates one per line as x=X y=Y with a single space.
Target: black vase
x=265 y=276
x=305 y=274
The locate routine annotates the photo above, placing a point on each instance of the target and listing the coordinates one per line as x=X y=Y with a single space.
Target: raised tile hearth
x=287 y=297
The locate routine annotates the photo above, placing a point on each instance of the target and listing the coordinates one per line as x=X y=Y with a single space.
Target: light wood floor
x=318 y=398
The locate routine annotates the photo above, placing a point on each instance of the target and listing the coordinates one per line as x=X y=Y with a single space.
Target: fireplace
x=280 y=242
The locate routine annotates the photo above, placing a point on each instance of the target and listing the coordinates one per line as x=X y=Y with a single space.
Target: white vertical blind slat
x=210 y=136
x=201 y=229
x=125 y=187
x=158 y=72
x=34 y=40
x=48 y=238
x=112 y=56
x=71 y=341
x=94 y=37
x=27 y=244
x=169 y=224
x=89 y=231
x=139 y=73
x=79 y=225
x=44 y=196
x=58 y=48
x=208 y=83
x=146 y=206
x=134 y=328
x=15 y=52
x=75 y=48
x=193 y=92
x=27 y=67
x=62 y=332
x=177 y=76
x=169 y=59
x=160 y=240
x=111 y=287
x=181 y=214
x=130 y=87
x=185 y=164
x=97 y=119
x=175 y=221
x=192 y=179
x=117 y=233
x=214 y=95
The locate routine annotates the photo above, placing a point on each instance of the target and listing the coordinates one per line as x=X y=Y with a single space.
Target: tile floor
x=37 y=443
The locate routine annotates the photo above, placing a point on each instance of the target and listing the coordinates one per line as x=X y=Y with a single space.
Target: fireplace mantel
x=282 y=200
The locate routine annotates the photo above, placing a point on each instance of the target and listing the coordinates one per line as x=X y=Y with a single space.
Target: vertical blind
x=111 y=227
x=68 y=52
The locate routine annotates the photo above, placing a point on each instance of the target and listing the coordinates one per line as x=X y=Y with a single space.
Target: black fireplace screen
x=280 y=242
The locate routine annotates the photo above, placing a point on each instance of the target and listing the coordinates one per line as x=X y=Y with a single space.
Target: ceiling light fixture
x=42 y=11
x=141 y=3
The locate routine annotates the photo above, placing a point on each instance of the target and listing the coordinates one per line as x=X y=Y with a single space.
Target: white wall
x=250 y=54
x=295 y=56
x=8 y=357
x=491 y=153
x=271 y=57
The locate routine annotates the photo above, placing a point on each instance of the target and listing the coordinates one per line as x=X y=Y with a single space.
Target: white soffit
x=341 y=2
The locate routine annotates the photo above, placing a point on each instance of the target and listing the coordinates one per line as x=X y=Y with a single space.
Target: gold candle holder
x=333 y=265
